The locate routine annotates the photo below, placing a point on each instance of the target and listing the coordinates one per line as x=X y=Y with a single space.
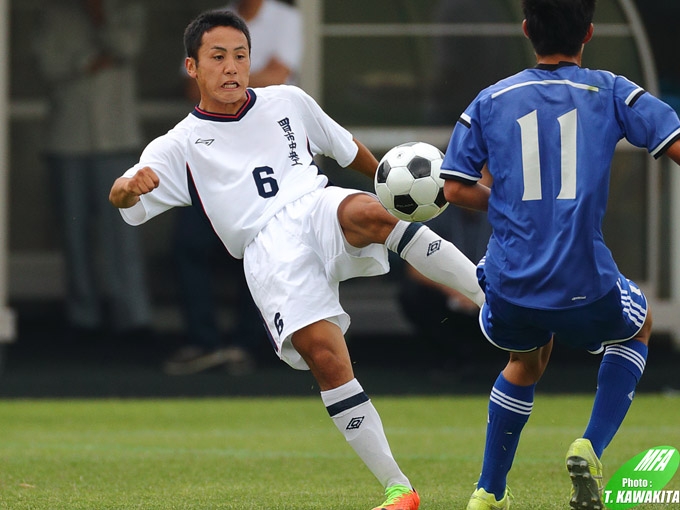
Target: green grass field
x=286 y=454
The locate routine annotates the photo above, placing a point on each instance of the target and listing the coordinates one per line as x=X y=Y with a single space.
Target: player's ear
x=589 y=33
x=190 y=66
x=524 y=29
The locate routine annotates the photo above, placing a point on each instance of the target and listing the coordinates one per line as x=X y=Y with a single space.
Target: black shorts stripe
x=346 y=404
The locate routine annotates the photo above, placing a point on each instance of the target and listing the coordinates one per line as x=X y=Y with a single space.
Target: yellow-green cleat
x=482 y=500
x=585 y=470
x=400 y=497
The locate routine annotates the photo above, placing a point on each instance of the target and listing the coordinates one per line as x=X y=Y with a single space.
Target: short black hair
x=206 y=21
x=558 y=26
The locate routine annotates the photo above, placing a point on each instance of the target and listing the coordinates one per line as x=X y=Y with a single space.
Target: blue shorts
x=614 y=318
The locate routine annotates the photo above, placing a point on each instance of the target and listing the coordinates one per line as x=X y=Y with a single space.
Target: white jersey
x=244 y=168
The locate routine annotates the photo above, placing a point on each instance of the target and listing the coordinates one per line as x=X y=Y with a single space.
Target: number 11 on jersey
x=531 y=162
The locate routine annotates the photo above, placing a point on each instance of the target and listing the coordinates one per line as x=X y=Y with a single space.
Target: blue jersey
x=548 y=135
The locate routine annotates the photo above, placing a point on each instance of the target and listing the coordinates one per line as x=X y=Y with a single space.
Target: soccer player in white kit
x=246 y=157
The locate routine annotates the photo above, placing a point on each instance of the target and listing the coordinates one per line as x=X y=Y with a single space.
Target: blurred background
x=391 y=71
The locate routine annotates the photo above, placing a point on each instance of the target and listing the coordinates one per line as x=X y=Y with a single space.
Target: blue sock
x=620 y=370
x=509 y=409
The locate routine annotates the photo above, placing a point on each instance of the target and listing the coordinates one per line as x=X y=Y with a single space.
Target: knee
x=375 y=214
x=369 y=213
x=320 y=353
x=364 y=220
x=328 y=361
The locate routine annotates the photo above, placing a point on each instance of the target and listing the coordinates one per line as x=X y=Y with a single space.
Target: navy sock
x=509 y=409
x=620 y=370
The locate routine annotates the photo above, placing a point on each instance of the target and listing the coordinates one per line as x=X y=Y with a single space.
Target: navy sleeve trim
x=665 y=147
x=463 y=180
x=635 y=97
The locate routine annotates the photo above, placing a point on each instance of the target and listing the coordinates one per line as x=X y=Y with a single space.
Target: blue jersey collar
x=554 y=67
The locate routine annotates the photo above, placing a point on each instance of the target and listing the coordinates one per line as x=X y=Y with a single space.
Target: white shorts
x=294 y=265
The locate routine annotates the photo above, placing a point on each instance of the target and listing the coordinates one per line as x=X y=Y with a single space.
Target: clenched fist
x=127 y=190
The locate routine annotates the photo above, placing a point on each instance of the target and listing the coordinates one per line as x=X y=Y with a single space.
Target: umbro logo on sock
x=434 y=247
x=355 y=423
x=206 y=141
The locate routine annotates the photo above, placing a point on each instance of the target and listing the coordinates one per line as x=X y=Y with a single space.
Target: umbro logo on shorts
x=355 y=423
x=434 y=247
x=207 y=141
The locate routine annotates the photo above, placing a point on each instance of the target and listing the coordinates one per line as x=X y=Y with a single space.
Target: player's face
x=222 y=70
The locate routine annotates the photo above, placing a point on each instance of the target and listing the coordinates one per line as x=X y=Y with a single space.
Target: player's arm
x=364 y=161
x=673 y=152
x=469 y=195
x=126 y=191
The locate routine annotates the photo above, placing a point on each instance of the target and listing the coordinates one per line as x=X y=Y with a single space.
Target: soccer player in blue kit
x=246 y=157
x=548 y=135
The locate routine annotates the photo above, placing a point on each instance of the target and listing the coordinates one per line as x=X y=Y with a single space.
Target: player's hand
x=144 y=181
x=127 y=190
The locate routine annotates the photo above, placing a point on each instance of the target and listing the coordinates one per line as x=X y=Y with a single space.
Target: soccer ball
x=408 y=183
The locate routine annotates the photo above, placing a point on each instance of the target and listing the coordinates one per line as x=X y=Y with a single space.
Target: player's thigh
x=622 y=314
x=287 y=280
x=364 y=220
x=342 y=259
x=618 y=316
x=510 y=327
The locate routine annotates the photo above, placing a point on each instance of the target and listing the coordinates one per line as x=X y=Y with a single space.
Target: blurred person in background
x=276 y=57
x=443 y=318
x=86 y=50
x=461 y=67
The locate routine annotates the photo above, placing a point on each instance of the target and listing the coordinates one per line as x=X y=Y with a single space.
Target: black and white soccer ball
x=408 y=183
